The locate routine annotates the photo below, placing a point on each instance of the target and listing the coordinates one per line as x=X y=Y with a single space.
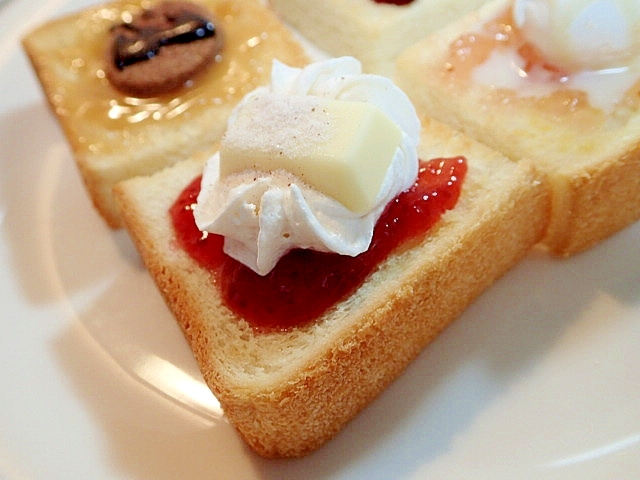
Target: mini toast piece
x=591 y=157
x=114 y=136
x=288 y=392
x=375 y=33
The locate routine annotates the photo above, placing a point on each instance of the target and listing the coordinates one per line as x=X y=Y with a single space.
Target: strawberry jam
x=395 y=2
x=306 y=283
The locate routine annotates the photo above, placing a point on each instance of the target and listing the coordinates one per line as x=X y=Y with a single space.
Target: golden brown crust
x=114 y=136
x=593 y=168
x=338 y=365
x=598 y=202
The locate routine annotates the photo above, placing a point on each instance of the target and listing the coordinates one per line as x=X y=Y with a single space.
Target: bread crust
x=114 y=136
x=375 y=33
x=287 y=393
x=592 y=169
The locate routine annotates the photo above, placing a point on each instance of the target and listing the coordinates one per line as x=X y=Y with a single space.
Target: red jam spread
x=306 y=283
x=395 y=2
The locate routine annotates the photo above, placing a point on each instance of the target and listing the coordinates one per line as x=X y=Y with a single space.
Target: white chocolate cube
x=340 y=148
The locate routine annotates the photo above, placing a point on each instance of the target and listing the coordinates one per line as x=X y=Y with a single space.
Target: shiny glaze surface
x=103 y=120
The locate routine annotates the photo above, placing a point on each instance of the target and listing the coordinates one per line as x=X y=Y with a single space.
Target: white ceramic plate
x=540 y=378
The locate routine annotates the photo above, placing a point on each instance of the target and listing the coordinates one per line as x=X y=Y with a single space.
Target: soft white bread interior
x=375 y=33
x=289 y=392
x=591 y=157
x=114 y=136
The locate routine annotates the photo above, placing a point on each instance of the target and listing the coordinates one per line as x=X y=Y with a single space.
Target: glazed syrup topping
x=144 y=43
x=306 y=283
x=109 y=121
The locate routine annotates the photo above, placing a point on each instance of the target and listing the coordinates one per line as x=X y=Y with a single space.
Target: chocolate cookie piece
x=162 y=48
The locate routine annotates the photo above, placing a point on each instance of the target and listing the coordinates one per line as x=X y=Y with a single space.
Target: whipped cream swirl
x=595 y=44
x=582 y=34
x=263 y=215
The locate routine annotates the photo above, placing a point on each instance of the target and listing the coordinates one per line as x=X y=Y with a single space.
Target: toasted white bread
x=372 y=32
x=591 y=157
x=288 y=392
x=114 y=136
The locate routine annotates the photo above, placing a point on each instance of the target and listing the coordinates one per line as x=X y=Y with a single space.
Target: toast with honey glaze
x=591 y=157
x=288 y=392
x=114 y=136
